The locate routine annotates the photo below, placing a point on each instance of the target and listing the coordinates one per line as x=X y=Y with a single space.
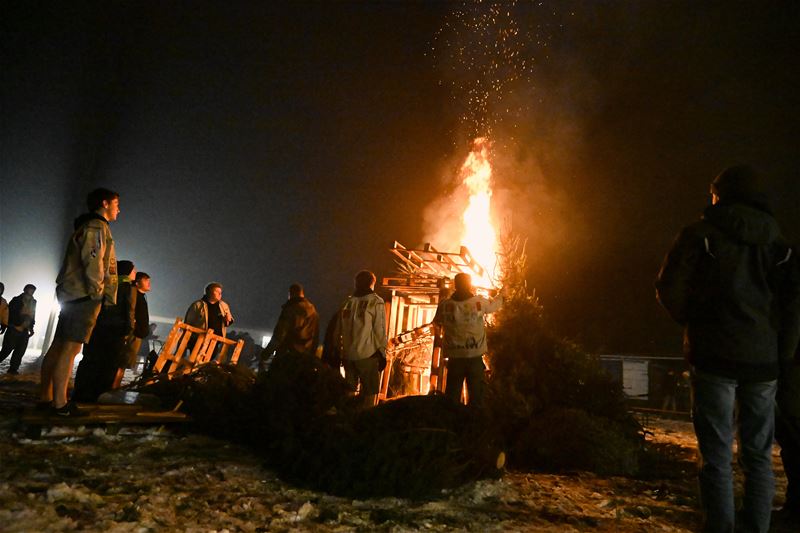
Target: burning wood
x=414 y=357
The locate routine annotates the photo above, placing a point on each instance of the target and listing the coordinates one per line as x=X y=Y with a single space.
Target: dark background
x=258 y=144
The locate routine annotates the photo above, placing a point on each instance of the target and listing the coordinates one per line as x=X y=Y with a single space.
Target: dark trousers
x=102 y=356
x=465 y=368
x=14 y=343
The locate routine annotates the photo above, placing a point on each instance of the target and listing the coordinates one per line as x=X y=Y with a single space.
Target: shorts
x=77 y=319
x=363 y=370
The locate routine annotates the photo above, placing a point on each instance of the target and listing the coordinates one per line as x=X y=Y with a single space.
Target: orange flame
x=479 y=235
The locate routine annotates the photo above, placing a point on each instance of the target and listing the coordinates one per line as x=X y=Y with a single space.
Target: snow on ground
x=155 y=479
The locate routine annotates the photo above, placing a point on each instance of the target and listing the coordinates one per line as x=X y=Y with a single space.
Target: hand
x=381 y=360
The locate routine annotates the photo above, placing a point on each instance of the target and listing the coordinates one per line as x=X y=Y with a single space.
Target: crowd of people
x=104 y=314
x=730 y=279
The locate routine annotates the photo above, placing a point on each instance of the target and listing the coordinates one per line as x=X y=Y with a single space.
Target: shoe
x=69 y=410
x=13 y=372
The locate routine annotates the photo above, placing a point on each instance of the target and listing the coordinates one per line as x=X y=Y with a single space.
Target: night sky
x=267 y=143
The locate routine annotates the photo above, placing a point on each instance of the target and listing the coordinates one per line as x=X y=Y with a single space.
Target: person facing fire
x=461 y=320
x=361 y=332
x=297 y=330
x=728 y=281
x=87 y=278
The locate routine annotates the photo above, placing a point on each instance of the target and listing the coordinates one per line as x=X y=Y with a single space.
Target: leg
x=350 y=374
x=456 y=373
x=48 y=369
x=118 y=378
x=8 y=344
x=62 y=372
x=20 y=346
x=713 y=424
x=370 y=380
x=787 y=433
x=88 y=372
x=757 y=427
x=475 y=374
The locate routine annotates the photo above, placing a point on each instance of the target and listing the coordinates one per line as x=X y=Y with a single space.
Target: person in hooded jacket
x=86 y=280
x=361 y=336
x=461 y=317
x=297 y=329
x=727 y=281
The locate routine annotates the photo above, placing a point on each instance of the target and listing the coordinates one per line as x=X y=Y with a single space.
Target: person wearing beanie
x=729 y=280
x=106 y=350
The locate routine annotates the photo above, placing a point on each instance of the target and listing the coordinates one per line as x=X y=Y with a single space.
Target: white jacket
x=464 y=326
x=362 y=326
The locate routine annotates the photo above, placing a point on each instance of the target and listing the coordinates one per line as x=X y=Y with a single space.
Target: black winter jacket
x=731 y=281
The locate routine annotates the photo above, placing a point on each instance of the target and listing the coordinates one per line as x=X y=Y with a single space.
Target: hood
x=362 y=292
x=744 y=223
x=86 y=217
x=294 y=300
x=460 y=296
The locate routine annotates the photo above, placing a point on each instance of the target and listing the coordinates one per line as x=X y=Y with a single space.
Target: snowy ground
x=152 y=479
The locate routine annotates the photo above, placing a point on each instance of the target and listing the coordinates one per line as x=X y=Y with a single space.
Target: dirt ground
x=155 y=478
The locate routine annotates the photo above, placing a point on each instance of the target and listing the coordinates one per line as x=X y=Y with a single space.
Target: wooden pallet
x=113 y=417
x=206 y=346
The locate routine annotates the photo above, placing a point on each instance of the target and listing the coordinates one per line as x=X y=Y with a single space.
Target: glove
x=381 y=360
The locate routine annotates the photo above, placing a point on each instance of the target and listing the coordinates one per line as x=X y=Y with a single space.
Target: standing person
x=787 y=433
x=21 y=319
x=725 y=280
x=361 y=333
x=210 y=312
x=141 y=326
x=3 y=310
x=103 y=355
x=297 y=329
x=461 y=319
x=88 y=277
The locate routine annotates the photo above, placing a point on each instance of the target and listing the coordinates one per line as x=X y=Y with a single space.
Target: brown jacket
x=297 y=328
